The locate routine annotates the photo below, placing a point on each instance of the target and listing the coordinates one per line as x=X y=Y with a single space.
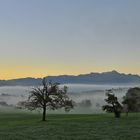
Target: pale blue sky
x=51 y=37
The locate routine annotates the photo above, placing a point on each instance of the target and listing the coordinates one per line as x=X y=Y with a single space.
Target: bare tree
x=48 y=96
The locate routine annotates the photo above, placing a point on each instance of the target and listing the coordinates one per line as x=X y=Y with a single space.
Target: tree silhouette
x=132 y=100
x=113 y=104
x=48 y=96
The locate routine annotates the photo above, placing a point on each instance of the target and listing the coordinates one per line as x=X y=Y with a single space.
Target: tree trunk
x=44 y=114
x=117 y=114
x=127 y=113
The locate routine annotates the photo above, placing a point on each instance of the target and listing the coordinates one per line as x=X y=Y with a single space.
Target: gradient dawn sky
x=52 y=37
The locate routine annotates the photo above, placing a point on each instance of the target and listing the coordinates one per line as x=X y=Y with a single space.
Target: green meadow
x=28 y=126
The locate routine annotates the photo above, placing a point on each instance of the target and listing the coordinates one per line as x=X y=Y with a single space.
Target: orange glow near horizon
x=99 y=38
x=39 y=73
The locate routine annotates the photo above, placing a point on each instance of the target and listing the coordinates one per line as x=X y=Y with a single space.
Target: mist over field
x=88 y=98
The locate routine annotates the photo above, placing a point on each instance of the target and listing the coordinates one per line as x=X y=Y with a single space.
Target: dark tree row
x=131 y=102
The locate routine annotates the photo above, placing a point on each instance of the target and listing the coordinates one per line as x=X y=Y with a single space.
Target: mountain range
x=112 y=77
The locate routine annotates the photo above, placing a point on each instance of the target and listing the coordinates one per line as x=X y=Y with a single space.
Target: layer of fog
x=88 y=98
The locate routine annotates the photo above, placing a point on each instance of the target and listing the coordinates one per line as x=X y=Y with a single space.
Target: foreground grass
x=23 y=126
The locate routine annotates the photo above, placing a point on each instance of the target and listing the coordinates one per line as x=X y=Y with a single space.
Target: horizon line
x=69 y=75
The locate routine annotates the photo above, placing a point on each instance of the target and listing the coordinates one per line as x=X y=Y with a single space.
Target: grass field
x=24 y=126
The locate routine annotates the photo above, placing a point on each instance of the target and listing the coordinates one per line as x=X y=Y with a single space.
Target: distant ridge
x=112 y=77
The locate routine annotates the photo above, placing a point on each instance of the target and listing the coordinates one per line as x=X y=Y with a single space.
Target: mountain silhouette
x=112 y=77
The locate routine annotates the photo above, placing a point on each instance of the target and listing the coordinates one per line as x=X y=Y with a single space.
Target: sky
x=56 y=37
